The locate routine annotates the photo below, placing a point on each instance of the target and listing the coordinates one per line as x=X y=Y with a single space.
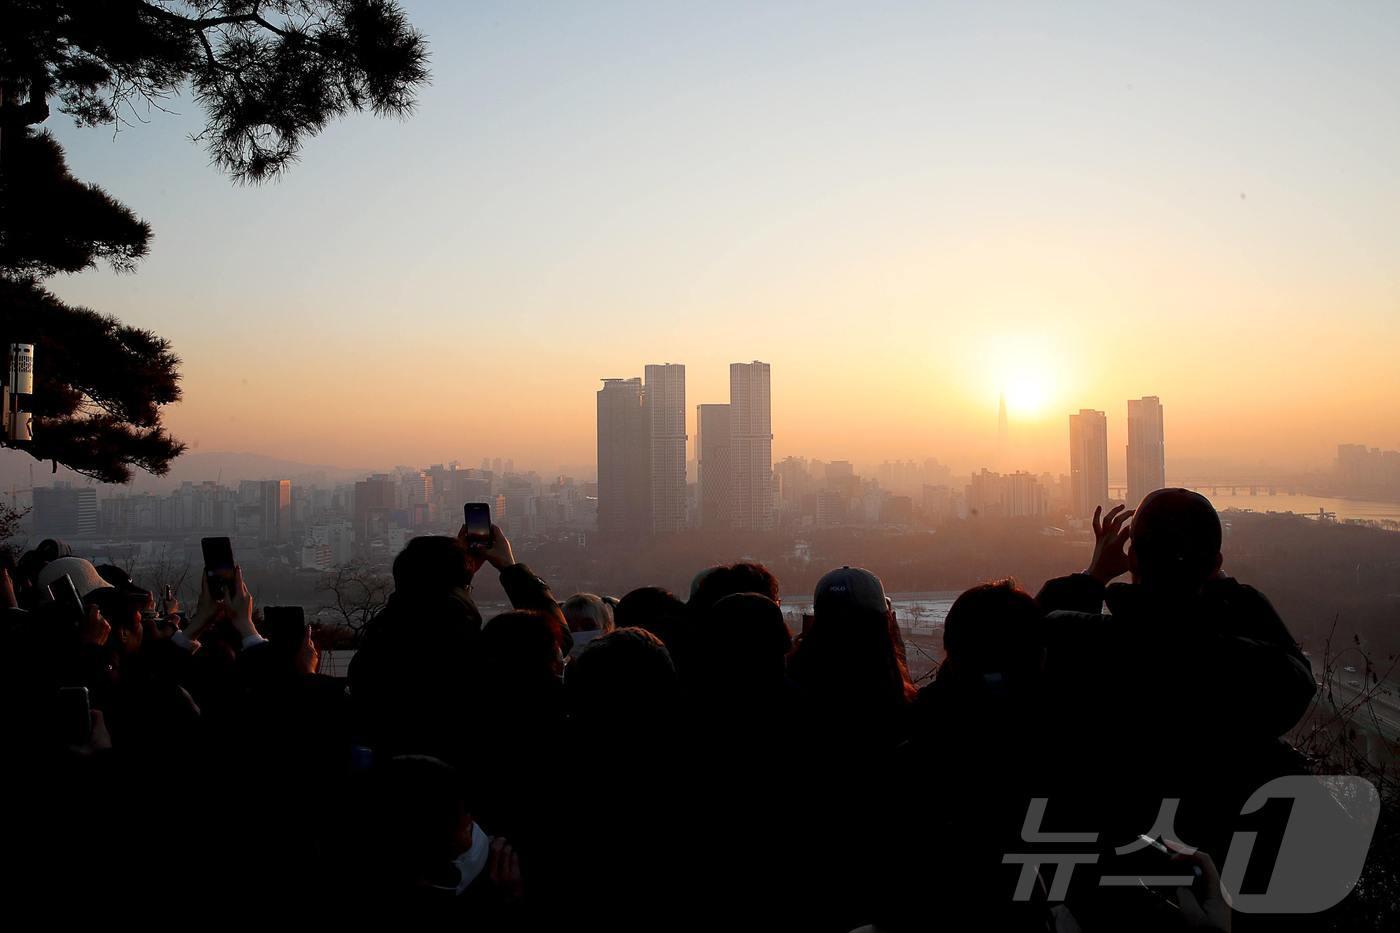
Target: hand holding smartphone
x=486 y=542
x=218 y=566
x=476 y=519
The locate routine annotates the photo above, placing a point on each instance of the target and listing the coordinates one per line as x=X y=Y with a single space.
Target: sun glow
x=1026 y=394
x=1025 y=374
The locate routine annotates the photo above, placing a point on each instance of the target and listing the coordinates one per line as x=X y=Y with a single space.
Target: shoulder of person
x=1073 y=619
x=1242 y=601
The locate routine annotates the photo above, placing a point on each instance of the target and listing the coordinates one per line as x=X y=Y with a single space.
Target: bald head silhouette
x=1175 y=538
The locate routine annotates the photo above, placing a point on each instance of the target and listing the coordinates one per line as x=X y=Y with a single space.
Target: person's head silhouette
x=1176 y=540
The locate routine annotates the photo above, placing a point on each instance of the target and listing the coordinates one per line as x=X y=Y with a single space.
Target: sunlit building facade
x=1088 y=461
x=751 y=445
x=624 y=460
x=663 y=396
x=1147 y=465
x=712 y=464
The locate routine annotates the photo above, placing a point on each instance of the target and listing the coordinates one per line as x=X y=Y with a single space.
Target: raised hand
x=1110 y=537
x=240 y=606
x=205 y=611
x=169 y=602
x=503 y=867
x=98 y=738
x=474 y=551
x=498 y=553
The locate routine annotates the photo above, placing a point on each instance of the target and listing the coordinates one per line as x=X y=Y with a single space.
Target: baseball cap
x=849 y=590
x=83 y=574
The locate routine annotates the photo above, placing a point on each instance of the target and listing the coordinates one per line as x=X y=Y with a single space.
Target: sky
x=905 y=208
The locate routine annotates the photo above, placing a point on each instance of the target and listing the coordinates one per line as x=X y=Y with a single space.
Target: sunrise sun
x=1026 y=394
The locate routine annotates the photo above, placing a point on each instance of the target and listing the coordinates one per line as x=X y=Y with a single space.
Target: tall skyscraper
x=1003 y=430
x=713 y=466
x=751 y=445
x=276 y=509
x=624 y=460
x=1088 y=461
x=1147 y=465
x=664 y=398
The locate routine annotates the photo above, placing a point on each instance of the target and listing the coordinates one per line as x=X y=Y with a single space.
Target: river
x=1344 y=509
x=921 y=613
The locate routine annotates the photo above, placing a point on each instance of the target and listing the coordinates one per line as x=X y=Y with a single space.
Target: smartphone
x=284 y=623
x=67 y=601
x=218 y=566
x=477 y=517
x=74 y=715
x=807 y=621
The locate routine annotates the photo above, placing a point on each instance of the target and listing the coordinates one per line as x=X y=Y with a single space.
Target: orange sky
x=903 y=211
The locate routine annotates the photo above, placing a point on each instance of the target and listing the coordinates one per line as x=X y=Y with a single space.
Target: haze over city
x=906 y=210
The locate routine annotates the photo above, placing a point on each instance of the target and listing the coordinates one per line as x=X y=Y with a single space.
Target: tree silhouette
x=100 y=385
x=10 y=517
x=357 y=592
x=267 y=73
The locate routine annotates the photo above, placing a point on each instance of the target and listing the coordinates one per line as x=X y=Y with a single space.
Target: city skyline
x=642 y=488
x=333 y=521
x=17 y=470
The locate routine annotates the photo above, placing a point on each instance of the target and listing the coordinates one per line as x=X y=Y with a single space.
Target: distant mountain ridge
x=226 y=467
x=239 y=465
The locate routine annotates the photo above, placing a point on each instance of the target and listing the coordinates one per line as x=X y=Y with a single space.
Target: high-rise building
x=1003 y=428
x=1088 y=461
x=831 y=508
x=1367 y=471
x=415 y=488
x=1147 y=465
x=751 y=445
x=839 y=472
x=276 y=509
x=937 y=502
x=1012 y=495
x=664 y=397
x=713 y=467
x=374 y=502
x=63 y=511
x=624 y=460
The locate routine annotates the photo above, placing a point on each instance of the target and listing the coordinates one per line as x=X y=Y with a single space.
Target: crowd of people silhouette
x=655 y=761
